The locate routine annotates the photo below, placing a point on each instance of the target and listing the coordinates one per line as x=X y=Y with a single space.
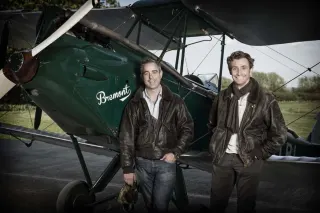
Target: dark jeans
x=229 y=172
x=156 y=179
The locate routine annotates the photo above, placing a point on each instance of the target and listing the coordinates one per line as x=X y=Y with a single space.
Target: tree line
x=308 y=87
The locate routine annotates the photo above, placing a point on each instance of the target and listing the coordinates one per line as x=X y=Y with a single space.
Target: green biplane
x=83 y=68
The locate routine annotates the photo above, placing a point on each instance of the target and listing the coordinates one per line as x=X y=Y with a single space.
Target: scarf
x=233 y=117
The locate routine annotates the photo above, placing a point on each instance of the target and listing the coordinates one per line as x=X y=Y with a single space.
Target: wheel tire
x=73 y=198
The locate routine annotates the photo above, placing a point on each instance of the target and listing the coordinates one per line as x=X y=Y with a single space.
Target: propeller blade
x=5 y=84
x=37 y=117
x=75 y=18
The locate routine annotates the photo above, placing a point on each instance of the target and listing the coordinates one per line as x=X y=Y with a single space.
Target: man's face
x=240 y=71
x=151 y=75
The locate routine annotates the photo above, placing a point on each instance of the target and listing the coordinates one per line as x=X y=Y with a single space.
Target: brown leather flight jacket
x=262 y=127
x=173 y=131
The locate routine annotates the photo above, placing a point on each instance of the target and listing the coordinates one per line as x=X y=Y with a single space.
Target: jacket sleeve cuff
x=127 y=169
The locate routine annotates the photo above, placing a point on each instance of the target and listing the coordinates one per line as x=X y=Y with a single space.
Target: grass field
x=22 y=117
x=291 y=110
x=294 y=109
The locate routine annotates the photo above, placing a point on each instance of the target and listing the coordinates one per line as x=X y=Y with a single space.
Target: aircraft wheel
x=74 y=197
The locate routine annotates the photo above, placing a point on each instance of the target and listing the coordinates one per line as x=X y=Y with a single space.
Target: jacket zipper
x=243 y=124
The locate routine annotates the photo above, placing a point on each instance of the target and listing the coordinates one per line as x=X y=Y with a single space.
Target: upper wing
x=252 y=23
x=262 y=22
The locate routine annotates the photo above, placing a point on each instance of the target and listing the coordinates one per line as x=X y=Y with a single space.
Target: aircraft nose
x=22 y=67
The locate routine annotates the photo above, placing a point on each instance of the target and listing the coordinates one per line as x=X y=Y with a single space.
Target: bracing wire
x=308 y=69
x=206 y=55
x=291 y=59
x=303 y=115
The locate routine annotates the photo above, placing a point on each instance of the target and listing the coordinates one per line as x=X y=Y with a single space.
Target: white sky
x=306 y=54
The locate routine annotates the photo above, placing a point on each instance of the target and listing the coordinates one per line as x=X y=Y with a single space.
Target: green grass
x=291 y=110
x=22 y=117
x=294 y=109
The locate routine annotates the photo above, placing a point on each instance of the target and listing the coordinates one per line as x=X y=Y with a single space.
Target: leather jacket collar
x=166 y=94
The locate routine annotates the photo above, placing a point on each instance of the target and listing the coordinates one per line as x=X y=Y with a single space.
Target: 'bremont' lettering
x=102 y=98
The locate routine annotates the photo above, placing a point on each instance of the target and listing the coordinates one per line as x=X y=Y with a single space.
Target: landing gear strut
x=79 y=196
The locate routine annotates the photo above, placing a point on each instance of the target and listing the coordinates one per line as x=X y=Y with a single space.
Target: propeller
x=22 y=66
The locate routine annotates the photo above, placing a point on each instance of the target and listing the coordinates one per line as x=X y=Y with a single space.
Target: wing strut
x=223 y=43
x=171 y=38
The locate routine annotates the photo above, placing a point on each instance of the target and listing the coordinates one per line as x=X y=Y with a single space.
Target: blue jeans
x=156 y=179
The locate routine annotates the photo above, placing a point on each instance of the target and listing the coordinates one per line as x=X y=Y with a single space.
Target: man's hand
x=169 y=157
x=129 y=178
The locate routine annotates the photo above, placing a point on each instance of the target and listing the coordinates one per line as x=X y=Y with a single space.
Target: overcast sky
x=305 y=54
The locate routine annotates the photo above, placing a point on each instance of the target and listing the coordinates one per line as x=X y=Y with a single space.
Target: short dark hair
x=238 y=55
x=147 y=61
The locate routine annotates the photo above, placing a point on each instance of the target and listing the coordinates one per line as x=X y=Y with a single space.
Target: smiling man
x=156 y=129
x=248 y=127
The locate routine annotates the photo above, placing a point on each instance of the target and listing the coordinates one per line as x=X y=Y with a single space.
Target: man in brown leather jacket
x=248 y=127
x=156 y=129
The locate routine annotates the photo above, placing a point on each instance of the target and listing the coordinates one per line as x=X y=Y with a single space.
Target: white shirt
x=233 y=145
x=153 y=106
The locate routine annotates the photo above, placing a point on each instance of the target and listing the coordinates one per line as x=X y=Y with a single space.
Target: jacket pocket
x=253 y=139
x=217 y=140
x=170 y=130
x=167 y=126
x=169 y=136
x=143 y=128
x=143 y=134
